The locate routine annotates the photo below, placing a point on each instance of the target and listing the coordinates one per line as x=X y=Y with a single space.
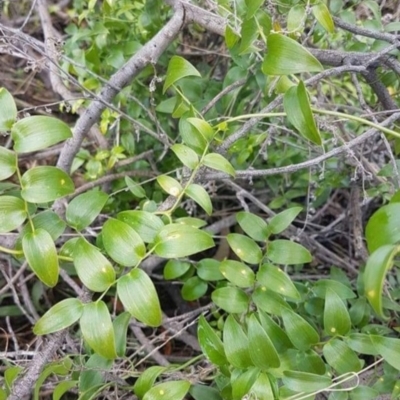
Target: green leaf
x=230 y=37
x=146 y=380
x=139 y=297
x=261 y=349
x=305 y=382
x=94 y=270
x=208 y=270
x=218 y=162
x=361 y=343
x=323 y=16
x=91 y=378
x=300 y=332
x=60 y=316
x=245 y=248
x=281 y=221
x=169 y=185
x=262 y=388
x=296 y=18
x=41 y=254
x=378 y=264
x=277 y=335
x=172 y=390
x=344 y=292
x=236 y=344
x=191 y=136
x=388 y=348
x=8 y=160
x=340 y=357
x=178 y=240
x=383 y=227
x=253 y=225
x=336 y=317
x=230 y=299
x=177 y=69
x=200 y=196
x=242 y=381
x=49 y=221
x=269 y=301
x=38 y=132
x=238 y=273
x=12 y=213
x=210 y=343
x=175 y=268
x=277 y=280
x=287 y=252
x=298 y=111
x=203 y=127
x=62 y=388
x=44 y=184
x=97 y=329
x=203 y=392
x=8 y=110
x=120 y=325
x=285 y=57
x=122 y=243
x=252 y=7
x=84 y=209
x=135 y=188
x=146 y=224
x=248 y=33
x=186 y=155
x=193 y=289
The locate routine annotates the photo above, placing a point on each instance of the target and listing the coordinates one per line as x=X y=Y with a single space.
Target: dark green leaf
x=146 y=380
x=43 y=184
x=175 y=268
x=238 y=273
x=208 y=270
x=38 y=132
x=8 y=159
x=305 y=382
x=193 y=289
x=285 y=57
x=60 y=316
x=84 y=209
x=8 y=110
x=269 y=301
x=178 y=68
x=277 y=335
x=186 y=155
x=218 y=162
x=97 y=329
x=172 y=390
x=230 y=299
x=12 y=213
x=340 y=357
x=41 y=254
x=336 y=317
x=253 y=225
x=122 y=243
x=287 y=252
x=281 y=221
x=138 y=295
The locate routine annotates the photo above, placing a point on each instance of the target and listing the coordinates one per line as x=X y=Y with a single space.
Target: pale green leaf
x=388 y=348
x=191 y=136
x=279 y=222
x=253 y=225
x=12 y=213
x=8 y=110
x=340 y=357
x=245 y=248
x=186 y=155
x=135 y=188
x=178 y=68
x=323 y=16
x=172 y=390
x=169 y=185
x=287 y=252
x=200 y=196
x=336 y=317
x=238 y=273
x=296 y=18
x=305 y=382
x=146 y=380
x=8 y=160
x=203 y=127
x=218 y=162
x=231 y=299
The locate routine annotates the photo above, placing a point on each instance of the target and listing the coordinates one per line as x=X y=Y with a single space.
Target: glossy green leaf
x=200 y=196
x=38 y=132
x=253 y=225
x=172 y=390
x=120 y=325
x=230 y=299
x=236 y=344
x=344 y=292
x=388 y=348
x=300 y=332
x=305 y=382
x=248 y=33
x=178 y=68
x=193 y=289
x=378 y=264
x=361 y=343
x=252 y=7
x=60 y=316
x=94 y=270
x=238 y=273
x=186 y=155
x=135 y=188
x=242 y=381
x=203 y=127
x=8 y=110
x=298 y=111
x=146 y=224
x=296 y=18
x=175 y=268
x=97 y=329
x=84 y=209
x=43 y=184
x=169 y=185
x=210 y=343
x=191 y=136
x=245 y=248
x=41 y=254
x=146 y=380
x=336 y=317
x=12 y=213
x=218 y=162
x=277 y=335
x=261 y=349
x=285 y=57
x=277 y=280
x=269 y=301
x=383 y=227
x=8 y=159
x=340 y=357
x=281 y=221
x=287 y=252
x=179 y=240
x=323 y=16
x=191 y=221
x=208 y=270
x=139 y=297
x=122 y=243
